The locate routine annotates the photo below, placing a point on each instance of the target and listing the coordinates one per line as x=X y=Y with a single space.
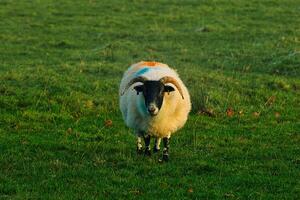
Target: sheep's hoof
x=165 y=157
x=155 y=150
x=147 y=152
x=139 y=151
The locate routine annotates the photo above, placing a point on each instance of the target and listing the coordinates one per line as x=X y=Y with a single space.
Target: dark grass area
x=61 y=64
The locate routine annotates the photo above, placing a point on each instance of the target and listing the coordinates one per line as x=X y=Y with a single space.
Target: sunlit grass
x=61 y=64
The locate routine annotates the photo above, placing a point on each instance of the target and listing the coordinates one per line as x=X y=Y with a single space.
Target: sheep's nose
x=152 y=110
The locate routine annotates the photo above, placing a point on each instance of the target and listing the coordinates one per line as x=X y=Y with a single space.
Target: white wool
x=173 y=113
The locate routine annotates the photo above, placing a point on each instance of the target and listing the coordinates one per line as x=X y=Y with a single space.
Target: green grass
x=61 y=64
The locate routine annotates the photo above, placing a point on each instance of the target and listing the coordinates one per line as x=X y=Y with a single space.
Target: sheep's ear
x=138 y=89
x=169 y=89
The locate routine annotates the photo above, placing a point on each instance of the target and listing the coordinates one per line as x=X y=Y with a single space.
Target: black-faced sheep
x=160 y=110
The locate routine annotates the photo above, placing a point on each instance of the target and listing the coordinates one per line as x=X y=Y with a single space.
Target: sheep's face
x=153 y=92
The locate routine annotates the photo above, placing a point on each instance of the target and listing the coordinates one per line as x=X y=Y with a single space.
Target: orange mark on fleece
x=150 y=64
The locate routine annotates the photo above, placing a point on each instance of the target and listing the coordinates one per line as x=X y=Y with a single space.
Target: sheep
x=161 y=110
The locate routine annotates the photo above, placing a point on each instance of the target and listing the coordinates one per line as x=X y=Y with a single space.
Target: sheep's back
x=150 y=70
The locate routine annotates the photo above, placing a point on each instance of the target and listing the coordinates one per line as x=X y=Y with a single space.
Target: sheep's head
x=154 y=91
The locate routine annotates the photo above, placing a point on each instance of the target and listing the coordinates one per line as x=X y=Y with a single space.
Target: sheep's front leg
x=157 y=145
x=166 y=142
x=147 y=145
x=139 y=146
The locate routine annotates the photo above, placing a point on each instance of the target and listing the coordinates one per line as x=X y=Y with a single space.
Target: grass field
x=60 y=67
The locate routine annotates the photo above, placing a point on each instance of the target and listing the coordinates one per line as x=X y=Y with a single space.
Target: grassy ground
x=61 y=63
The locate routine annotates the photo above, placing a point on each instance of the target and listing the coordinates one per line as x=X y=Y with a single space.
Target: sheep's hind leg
x=147 y=145
x=157 y=145
x=166 y=142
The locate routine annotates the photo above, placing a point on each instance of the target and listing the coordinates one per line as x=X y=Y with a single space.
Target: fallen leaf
x=270 y=100
x=24 y=142
x=229 y=112
x=190 y=190
x=277 y=114
x=108 y=123
x=207 y=111
x=241 y=112
x=69 y=130
x=256 y=114
x=89 y=104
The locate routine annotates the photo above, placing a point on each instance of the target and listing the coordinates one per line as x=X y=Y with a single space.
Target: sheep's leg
x=139 y=146
x=147 y=145
x=157 y=145
x=166 y=142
